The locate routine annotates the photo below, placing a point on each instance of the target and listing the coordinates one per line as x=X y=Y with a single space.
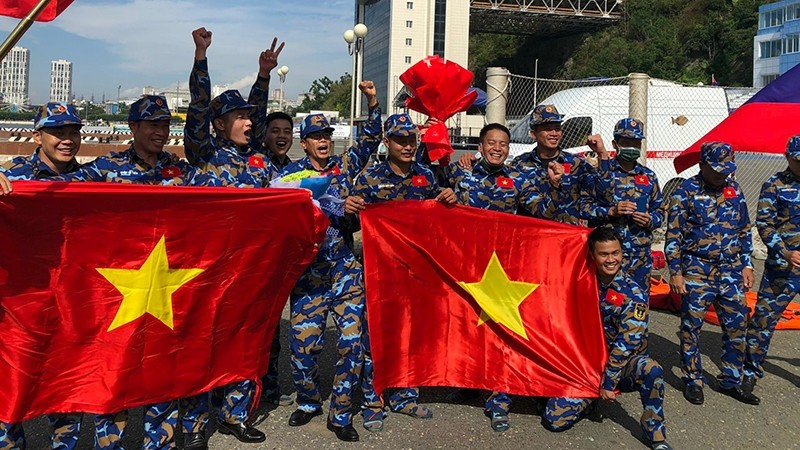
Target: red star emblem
x=419 y=180
x=729 y=192
x=567 y=168
x=643 y=180
x=614 y=297
x=256 y=161
x=505 y=182
x=170 y=172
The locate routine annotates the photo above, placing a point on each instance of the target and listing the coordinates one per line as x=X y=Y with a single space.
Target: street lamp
x=355 y=46
x=282 y=76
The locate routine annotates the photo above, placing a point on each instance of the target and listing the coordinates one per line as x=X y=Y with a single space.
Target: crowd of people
x=230 y=141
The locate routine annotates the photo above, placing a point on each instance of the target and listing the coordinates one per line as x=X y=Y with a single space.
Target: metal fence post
x=637 y=105
x=497 y=85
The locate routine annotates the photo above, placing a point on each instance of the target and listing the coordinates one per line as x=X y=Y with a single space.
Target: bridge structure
x=551 y=18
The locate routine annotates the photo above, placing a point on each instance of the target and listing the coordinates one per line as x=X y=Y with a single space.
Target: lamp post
x=355 y=46
x=282 y=76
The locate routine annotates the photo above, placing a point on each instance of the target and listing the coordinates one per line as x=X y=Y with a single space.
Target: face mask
x=628 y=154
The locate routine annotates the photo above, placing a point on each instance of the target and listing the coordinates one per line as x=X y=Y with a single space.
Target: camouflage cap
x=399 y=125
x=545 y=114
x=793 y=147
x=149 y=107
x=56 y=114
x=719 y=156
x=314 y=123
x=628 y=128
x=227 y=102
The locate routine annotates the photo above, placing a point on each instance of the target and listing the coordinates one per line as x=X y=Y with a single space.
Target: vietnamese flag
x=459 y=296
x=114 y=296
x=21 y=8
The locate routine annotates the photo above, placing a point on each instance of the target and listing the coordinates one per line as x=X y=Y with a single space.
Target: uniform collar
x=164 y=158
x=387 y=172
x=42 y=170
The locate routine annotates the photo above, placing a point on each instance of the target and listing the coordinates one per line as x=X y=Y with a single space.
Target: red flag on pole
x=113 y=296
x=495 y=301
x=21 y=8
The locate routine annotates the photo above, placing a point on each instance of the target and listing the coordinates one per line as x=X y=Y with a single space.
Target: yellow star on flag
x=499 y=297
x=148 y=290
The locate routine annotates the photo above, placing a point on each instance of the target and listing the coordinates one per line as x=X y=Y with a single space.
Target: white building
x=776 y=46
x=14 y=76
x=60 y=81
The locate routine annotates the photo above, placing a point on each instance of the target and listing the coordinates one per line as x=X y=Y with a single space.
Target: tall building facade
x=776 y=46
x=60 y=81
x=15 y=76
x=402 y=32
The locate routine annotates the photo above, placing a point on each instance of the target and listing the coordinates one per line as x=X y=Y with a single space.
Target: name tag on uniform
x=170 y=172
x=505 y=183
x=729 y=192
x=702 y=197
x=419 y=180
x=567 y=168
x=642 y=180
x=385 y=186
x=256 y=161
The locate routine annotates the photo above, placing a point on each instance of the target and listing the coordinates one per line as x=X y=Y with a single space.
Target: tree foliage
x=329 y=95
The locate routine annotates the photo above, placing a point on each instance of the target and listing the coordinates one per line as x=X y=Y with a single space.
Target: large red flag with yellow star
x=458 y=296
x=113 y=296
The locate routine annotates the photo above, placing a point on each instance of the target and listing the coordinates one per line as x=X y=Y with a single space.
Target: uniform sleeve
x=358 y=155
x=630 y=333
x=259 y=97
x=590 y=200
x=434 y=189
x=656 y=206
x=361 y=188
x=676 y=223
x=745 y=232
x=537 y=197
x=196 y=135
x=767 y=220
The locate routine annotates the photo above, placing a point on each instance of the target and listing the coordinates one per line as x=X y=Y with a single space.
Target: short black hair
x=602 y=234
x=278 y=115
x=493 y=126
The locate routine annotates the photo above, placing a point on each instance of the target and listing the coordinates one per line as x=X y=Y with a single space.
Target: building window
x=409 y=5
x=408 y=60
x=770 y=49
x=408 y=41
x=767 y=79
x=772 y=18
x=409 y=24
x=439 y=22
x=793 y=12
x=791 y=44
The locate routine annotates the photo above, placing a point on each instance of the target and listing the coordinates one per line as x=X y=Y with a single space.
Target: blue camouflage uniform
x=778 y=223
x=379 y=184
x=235 y=166
x=332 y=284
x=64 y=429
x=708 y=241
x=624 y=311
x=578 y=182
x=615 y=184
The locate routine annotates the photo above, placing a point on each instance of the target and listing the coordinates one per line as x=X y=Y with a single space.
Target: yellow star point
x=499 y=297
x=149 y=289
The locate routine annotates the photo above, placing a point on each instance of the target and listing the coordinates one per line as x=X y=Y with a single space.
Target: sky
x=137 y=43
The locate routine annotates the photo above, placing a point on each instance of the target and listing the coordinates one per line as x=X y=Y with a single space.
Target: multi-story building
x=776 y=46
x=60 y=81
x=14 y=77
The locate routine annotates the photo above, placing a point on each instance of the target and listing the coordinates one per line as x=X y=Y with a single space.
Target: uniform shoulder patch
x=640 y=311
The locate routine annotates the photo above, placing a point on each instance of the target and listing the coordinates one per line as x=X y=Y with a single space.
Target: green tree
x=329 y=95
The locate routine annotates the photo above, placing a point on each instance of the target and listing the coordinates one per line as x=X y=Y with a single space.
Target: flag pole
x=21 y=28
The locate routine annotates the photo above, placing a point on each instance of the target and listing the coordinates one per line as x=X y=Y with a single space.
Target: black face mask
x=490 y=168
x=628 y=154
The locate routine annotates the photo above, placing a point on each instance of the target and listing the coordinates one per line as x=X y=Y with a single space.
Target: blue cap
x=399 y=125
x=55 y=114
x=227 y=102
x=314 y=123
x=628 y=128
x=149 y=107
x=719 y=156
x=545 y=114
x=793 y=147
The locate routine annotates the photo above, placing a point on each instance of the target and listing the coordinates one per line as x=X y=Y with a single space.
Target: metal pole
x=21 y=28
x=497 y=83
x=353 y=94
x=637 y=105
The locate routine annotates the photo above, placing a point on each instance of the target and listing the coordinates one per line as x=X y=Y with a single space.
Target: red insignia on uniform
x=62 y=108
x=614 y=297
x=401 y=118
x=567 y=168
x=729 y=192
x=159 y=102
x=419 y=180
x=170 y=172
x=256 y=161
x=505 y=182
x=643 y=180
x=548 y=109
x=633 y=123
x=332 y=171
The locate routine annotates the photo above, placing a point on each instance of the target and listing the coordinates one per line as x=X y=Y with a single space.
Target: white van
x=677 y=117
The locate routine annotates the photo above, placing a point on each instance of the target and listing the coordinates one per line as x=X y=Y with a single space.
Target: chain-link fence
x=675 y=116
